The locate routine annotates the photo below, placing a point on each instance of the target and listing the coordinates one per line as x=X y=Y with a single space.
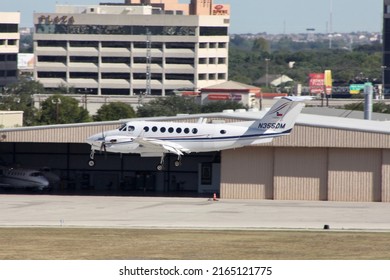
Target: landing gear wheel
x=177 y=163
x=91 y=163
x=160 y=167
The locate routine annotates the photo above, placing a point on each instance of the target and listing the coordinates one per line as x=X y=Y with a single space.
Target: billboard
x=328 y=82
x=316 y=83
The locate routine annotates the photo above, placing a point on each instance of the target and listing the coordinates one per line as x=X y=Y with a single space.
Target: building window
x=188 y=77
x=221 y=60
x=179 y=60
x=11 y=73
x=83 y=75
x=49 y=58
x=221 y=76
x=213 y=31
x=44 y=43
x=119 y=76
x=51 y=74
x=8 y=28
x=84 y=59
x=202 y=77
x=180 y=45
x=125 y=60
x=113 y=44
x=84 y=44
x=48 y=28
x=202 y=60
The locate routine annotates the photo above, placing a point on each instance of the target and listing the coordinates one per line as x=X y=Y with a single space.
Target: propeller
x=103 y=145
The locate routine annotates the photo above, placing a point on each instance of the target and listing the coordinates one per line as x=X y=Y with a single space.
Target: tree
x=260 y=45
x=169 y=106
x=114 y=111
x=19 y=97
x=60 y=109
x=219 y=106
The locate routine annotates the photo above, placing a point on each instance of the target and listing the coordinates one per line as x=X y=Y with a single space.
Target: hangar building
x=325 y=158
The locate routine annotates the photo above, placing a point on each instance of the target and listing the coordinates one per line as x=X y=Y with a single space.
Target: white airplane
x=17 y=178
x=155 y=139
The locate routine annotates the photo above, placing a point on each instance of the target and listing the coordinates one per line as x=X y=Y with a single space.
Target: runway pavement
x=195 y=213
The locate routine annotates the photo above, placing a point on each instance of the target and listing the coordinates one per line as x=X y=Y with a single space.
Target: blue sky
x=255 y=16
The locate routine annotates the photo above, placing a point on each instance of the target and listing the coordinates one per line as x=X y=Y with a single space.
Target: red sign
x=234 y=97
x=316 y=83
x=220 y=10
x=219 y=97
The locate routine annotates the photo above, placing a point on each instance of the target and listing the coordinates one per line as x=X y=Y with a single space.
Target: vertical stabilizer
x=281 y=117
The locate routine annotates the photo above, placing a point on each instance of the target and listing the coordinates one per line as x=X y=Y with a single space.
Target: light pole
x=57 y=102
x=266 y=72
x=382 y=93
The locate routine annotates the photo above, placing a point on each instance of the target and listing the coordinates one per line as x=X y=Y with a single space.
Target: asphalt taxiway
x=191 y=213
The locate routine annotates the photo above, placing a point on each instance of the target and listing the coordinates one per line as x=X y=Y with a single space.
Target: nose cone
x=95 y=140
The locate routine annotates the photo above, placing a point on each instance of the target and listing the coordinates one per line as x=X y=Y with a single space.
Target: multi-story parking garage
x=139 y=47
x=325 y=158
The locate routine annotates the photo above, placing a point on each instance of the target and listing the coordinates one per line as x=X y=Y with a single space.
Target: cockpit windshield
x=36 y=174
x=123 y=127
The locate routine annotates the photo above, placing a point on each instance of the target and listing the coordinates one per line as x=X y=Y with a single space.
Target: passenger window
x=186 y=130
x=154 y=128
x=194 y=130
x=130 y=128
x=146 y=128
x=163 y=129
x=170 y=130
x=223 y=131
x=178 y=130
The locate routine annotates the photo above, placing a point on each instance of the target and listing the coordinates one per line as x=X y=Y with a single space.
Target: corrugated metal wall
x=354 y=175
x=300 y=174
x=306 y=174
x=247 y=173
x=385 y=176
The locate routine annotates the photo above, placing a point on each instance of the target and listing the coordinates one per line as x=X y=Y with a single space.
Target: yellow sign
x=328 y=82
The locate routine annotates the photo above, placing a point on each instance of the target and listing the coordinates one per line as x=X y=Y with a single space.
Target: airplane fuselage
x=152 y=138
x=22 y=178
x=194 y=137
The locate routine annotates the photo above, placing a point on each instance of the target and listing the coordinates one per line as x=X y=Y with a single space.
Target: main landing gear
x=160 y=166
x=91 y=161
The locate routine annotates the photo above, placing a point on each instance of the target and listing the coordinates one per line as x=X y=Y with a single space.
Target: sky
x=257 y=16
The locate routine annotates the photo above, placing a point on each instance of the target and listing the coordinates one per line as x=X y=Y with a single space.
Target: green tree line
x=247 y=63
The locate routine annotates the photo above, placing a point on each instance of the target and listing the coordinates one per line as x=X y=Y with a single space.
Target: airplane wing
x=161 y=146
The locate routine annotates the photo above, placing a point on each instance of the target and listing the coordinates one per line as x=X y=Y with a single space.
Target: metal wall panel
x=310 y=136
x=354 y=175
x=247 y=173
x=300 y=174
x=385 y=175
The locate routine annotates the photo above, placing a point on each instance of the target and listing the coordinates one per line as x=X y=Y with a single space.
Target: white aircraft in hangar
x=155 y=138
x=17 y=178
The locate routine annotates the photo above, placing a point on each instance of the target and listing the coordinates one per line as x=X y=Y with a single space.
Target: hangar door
x=300 y=174
x=247 y=173
x=355 y=174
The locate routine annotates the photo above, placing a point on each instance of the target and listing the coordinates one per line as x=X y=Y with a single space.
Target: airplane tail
x=280 y=119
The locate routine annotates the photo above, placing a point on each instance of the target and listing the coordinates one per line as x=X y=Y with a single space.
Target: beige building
x=9 y=47
x=11 y=119
x=134 y=48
